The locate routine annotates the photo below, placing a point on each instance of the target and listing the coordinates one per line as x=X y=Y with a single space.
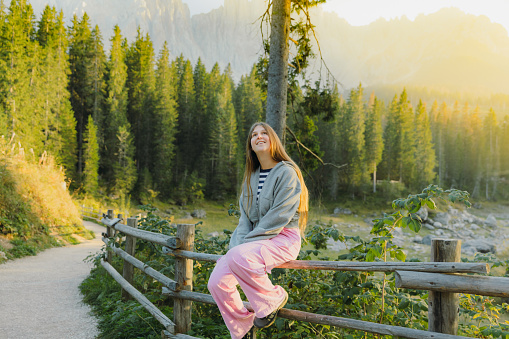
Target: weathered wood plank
x=436 y=267
x=156 y=313
x=387 y=266
x=467 y=284
x=360 y=325
x=110 y=222
x=109 y=234
x=192 y=255
x=443 y=308
x=184 y=277
x=130 y=246
x=168 y=335
x=161 y=239
x=171 y=284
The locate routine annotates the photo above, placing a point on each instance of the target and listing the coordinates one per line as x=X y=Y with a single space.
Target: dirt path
x=39 y=296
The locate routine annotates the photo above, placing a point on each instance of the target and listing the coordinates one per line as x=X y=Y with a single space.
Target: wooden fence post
x=184 y=279
x=443 y=308
x=130 y=246
x=109 y=234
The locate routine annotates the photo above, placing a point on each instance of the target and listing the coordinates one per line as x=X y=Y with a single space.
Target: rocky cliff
x=448 y=49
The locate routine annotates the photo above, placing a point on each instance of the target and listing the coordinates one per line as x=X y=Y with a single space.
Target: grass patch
x=36 y=210
x=32 y=246
x=217 y=218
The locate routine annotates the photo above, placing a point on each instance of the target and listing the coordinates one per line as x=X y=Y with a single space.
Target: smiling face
x=260 y=140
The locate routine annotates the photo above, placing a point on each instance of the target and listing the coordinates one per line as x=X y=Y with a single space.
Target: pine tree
x=462 y=147
x=374 y=138
x=477 y=153
x=96 y=73
x=202 y=124
x=223 y=143
x=491 y=145
x=165 y=118
x=424 y=152
x=249 y=104
x=503 y=149
x=453 y=145
x=187 y=119
x=304 y=110
x=469 y=146
x=353 y=129
x=116 y=105
x=125 y=173
x=79 y=80
x=407 y=146
x=91 y=158
x=435 y=127
x=329 y=134
x=19 y=76
x=399 y=148
x=443 y=122
x=210 y=158
x=67 y=132
x=59 y=123
x=390 y=154
x=141 y=85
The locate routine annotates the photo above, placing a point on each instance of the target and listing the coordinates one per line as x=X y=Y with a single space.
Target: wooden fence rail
x=436 y=277
x=435 y=267
x=90 y=212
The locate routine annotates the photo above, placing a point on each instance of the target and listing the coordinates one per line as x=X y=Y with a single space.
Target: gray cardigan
x=275 y=209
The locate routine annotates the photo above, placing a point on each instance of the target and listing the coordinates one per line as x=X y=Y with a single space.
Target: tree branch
x=312 y=153
x=265 y=17
x=308 y=20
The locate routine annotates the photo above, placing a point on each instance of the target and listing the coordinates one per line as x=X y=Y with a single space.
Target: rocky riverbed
x=483 y=231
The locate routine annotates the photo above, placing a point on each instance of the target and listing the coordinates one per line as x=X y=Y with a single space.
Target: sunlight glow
x=363 y=12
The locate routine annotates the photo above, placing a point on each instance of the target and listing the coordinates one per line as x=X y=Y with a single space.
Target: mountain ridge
x=446 y=49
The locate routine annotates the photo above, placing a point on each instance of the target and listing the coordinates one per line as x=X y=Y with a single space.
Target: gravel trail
x=39 y=296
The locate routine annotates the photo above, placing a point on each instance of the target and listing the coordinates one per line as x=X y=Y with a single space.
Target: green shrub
x=355 y=295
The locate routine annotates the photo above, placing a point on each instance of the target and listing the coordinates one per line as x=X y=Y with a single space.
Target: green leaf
x=404 y=304
x=416 y=217
x=389 y=220
x=405 y=221
x=414 y=225
x=413 y=204
x=400 y=255
x=431 y=204
x=370 y=256
x=335 y=234
x=402 y=223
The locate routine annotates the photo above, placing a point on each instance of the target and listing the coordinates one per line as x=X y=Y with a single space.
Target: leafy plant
x=356 y=295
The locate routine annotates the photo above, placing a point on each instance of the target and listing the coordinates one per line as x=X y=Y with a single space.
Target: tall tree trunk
x=278 y=66
x=374 y=177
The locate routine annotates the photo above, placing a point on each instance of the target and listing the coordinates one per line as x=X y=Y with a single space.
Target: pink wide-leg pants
x=247 y=265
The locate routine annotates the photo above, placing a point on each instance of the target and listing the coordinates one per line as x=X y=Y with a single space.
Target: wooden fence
x=441 y=277
x=90 y=213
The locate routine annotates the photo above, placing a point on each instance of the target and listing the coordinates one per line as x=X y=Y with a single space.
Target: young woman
x=273 y=215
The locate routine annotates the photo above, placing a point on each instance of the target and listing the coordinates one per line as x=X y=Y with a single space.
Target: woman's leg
x=250 y=262
x=223 y=288
x=247 y=265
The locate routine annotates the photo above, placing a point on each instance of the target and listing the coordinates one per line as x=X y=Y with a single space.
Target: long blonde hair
x=278 y=153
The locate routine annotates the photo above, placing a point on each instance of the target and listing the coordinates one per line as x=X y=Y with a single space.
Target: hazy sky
x=362 y=12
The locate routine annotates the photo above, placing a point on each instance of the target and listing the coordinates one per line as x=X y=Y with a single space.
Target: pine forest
x=134 y=122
